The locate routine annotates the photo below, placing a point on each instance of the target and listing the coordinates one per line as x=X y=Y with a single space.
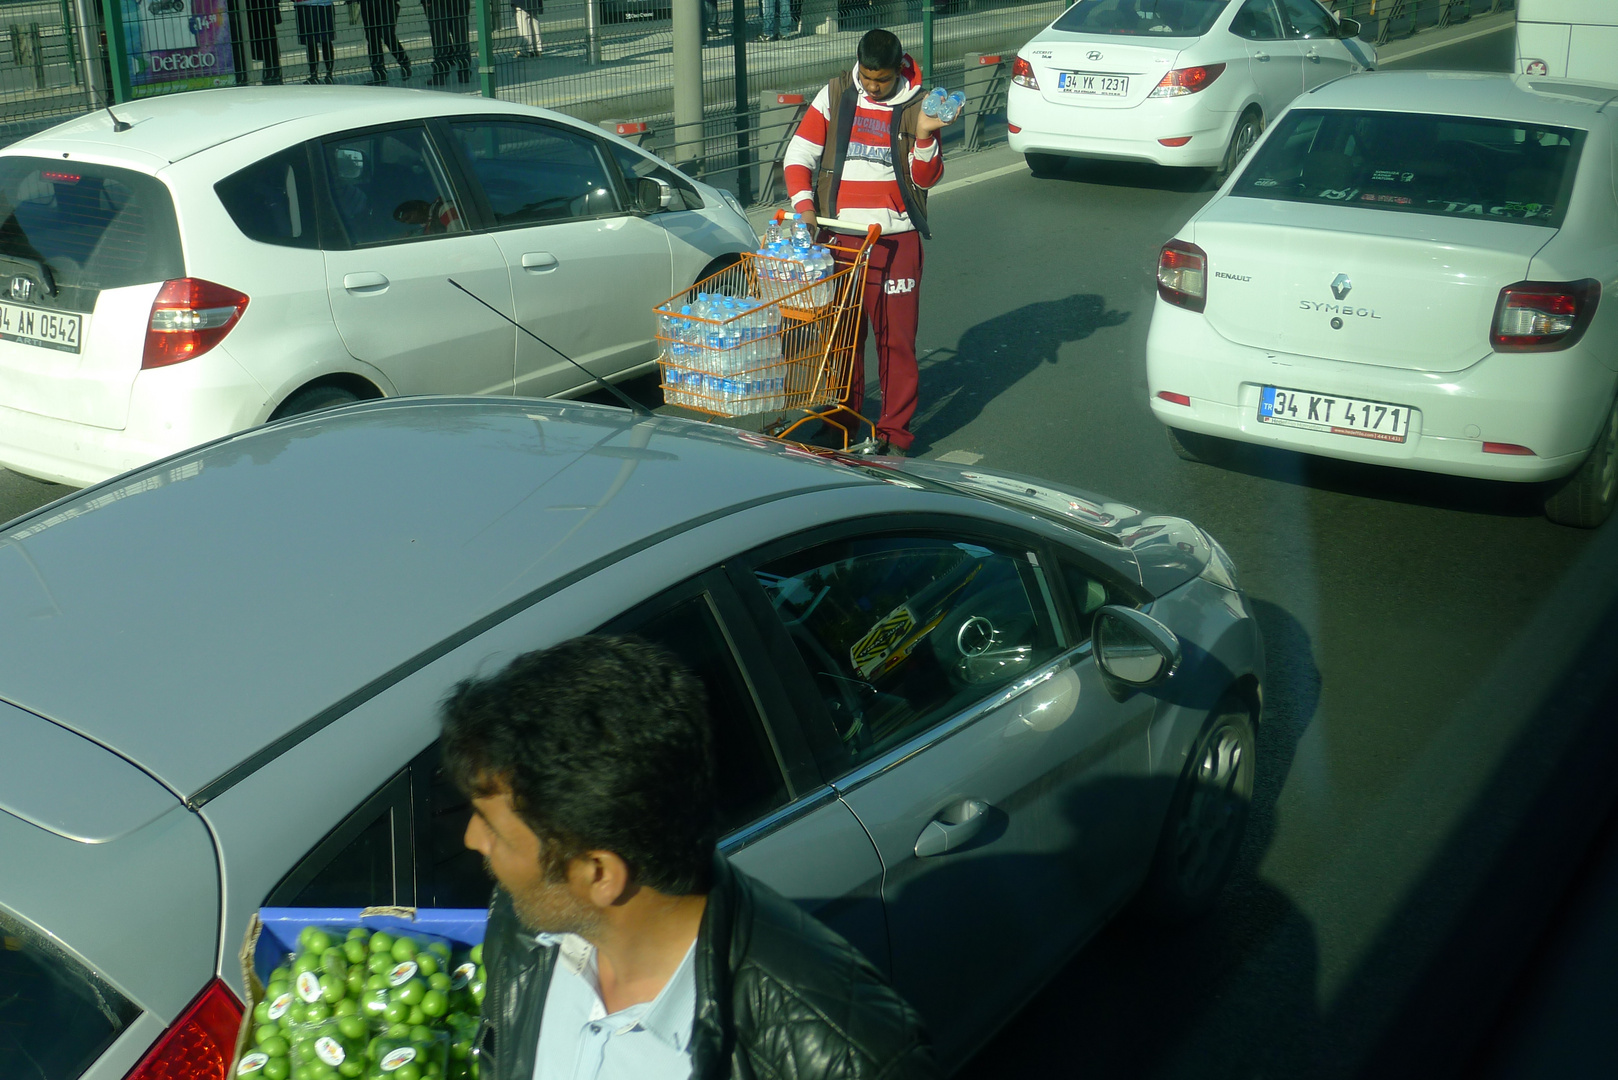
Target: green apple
x=376 y=982
x=417 y=1017
x=380 y=963
x=261 y=1012
x=358 y=933
x=277 y=1069
x=305 y=962
x=398 y=1031
x=346 y=1007
x=408 y=1071
x=421 y=1034
x=397 y=1012
x=439 y=981
x=434 y=1003
x=276 y=1045
x=354 y=951
x=477 y=991
x=333 y=989
x=381 y=942
x=333 y=962
x=413 y=991
x=427 y=963
x=263 y=1032
x=314 y=939
x=276 y=987
x=301 y=1072
x=476 y=954
x=351 y=1068
x=404 y=949
x=317 y=1013
x=355 y=981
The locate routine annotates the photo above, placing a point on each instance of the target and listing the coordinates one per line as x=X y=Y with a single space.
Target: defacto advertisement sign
x=177 y=45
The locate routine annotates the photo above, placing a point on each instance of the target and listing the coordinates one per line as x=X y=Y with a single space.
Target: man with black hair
x=620 y=944
x=866 y=153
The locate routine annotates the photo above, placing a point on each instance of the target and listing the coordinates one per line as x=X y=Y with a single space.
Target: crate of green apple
x=358 y=1001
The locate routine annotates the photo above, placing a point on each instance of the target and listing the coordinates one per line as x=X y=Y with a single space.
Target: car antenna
x=117 y=124
x=633 y=405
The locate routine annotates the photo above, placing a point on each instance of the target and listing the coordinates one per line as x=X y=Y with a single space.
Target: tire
x=1191 y=446
x=1207 y=815
x=1045 y=166
x=1585 y=499
x=1247 y=131
x=311 y=398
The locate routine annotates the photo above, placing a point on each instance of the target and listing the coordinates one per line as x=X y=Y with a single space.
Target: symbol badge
x=1341 y=287
x=1093 y=54
x=22 y=289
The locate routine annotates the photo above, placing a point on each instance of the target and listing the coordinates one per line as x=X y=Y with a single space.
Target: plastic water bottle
x=931 y=103
x=772 y=233
x=801 y=236
x=951 y=108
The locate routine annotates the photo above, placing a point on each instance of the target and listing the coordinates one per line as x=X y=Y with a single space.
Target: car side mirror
x=652 y=195
x=1133 y=649
x=1348 y=28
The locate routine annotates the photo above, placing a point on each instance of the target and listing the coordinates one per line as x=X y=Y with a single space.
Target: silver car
x=963 y=716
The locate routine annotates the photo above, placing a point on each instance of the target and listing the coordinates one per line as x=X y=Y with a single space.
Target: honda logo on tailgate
x=21 y=289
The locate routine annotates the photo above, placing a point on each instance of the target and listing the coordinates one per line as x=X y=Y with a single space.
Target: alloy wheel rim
x=1210 y=821
x=1245 y=138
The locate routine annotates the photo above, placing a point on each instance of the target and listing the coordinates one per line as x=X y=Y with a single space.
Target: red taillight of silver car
x=1022 y=74
x=1190 y=80
x=1543 y=316
x=1182 y=275
x=199 y=1045
x=189 y=317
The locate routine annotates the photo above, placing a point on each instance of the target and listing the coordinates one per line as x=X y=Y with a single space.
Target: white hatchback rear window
x=1449 y=166
x=1152 y=18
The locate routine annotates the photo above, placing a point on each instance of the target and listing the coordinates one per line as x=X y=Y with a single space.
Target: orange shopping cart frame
x=791 y=351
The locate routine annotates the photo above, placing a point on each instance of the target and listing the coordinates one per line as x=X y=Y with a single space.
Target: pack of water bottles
x=790 y=259
x=723 y=354
x=943 y=105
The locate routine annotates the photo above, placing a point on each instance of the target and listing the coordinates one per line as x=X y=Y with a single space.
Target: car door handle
x=1262 y=57
x=952 y=827
x=367 y=282
x=538 y=262
x=1312 y=55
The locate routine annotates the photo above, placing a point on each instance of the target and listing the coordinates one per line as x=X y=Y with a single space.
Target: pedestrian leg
x=371 y=14
x=894 y=319
x=438 y=19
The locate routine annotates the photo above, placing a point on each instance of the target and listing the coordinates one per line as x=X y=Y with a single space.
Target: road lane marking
x=1444 y=44
x=968 y=181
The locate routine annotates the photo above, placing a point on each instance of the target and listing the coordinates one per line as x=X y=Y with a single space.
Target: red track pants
x=891 y=304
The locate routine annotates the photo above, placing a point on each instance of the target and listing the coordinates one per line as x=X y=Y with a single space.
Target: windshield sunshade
x=1448 y=166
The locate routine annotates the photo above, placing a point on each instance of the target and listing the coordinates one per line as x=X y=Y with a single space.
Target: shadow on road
x=1136 y=174
x=1232 y=994
x=995 y=354
x=1495 y=498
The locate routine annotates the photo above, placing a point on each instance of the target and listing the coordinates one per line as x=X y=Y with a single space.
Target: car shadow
x=1230 y=994
x=995 y=355
x=1136 y=174
x=1495 y=498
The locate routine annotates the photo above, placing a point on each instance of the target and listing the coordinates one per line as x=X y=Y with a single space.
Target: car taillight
x=199 y=1045
x=1182 y=275
x=189 y=317
x=1543 y=316
x=1183 y=81
x=1022 y=73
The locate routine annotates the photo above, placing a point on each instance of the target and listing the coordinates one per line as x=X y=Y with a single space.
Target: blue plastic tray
x=464 y=926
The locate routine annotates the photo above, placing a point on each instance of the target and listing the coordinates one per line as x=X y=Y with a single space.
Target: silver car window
x=900 y=633
x=389 y=186
x=536 y=173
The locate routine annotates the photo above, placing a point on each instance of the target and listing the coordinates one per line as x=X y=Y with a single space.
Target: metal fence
x=599 y=60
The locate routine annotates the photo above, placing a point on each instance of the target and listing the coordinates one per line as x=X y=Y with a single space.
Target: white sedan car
x=1173 y=82
x=180 y=268
x=1408 y=271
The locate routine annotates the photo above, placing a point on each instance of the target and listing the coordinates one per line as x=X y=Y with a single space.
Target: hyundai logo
x=21 y=289
x=1092 y=55
x=1341 y=287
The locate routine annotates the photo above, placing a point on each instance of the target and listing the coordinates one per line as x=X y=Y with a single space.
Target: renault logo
x=22 y=288
x=1341 y=287
x=1092 y=55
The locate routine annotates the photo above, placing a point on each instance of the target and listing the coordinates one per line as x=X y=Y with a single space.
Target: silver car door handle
x=538 y=261
x=1262 y=57
x=1312 y=55
x=367 y=282
x=956 y=824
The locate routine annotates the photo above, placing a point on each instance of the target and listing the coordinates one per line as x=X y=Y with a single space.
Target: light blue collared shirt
x=580 y=1040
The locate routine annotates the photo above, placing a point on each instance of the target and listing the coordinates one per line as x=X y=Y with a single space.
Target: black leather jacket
x=778 y=995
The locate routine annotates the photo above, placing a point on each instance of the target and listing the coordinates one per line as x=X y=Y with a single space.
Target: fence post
x=927 y=42
x=592 y=31
x=112 y=11
x=485 y=46
x=686 y=16
x=68 y=31
x=744 y=121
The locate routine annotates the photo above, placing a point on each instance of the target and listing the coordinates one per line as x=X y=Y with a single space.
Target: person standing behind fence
x=777 y=19
x=447 y=24
x=867 y=154
x=381 y=18
x=263 y=36
x=528 y=39
x=316 y=31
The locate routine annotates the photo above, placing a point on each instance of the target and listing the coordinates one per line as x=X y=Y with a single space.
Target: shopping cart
x=781 y=348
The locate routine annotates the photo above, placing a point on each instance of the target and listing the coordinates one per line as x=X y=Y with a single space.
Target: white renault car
x=183 y=267
x=1173 y=82
x=1409 y=270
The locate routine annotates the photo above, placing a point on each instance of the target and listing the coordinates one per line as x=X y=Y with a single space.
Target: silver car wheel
x=1216 y=810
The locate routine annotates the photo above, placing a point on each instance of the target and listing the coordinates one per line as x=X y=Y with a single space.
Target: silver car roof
x=190 y=614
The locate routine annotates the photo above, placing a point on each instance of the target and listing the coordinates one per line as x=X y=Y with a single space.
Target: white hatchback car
x=185 y=267
x=1173 y=82
x=1408 y=271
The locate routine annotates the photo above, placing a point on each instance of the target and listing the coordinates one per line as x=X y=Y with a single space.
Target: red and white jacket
x=869 y=192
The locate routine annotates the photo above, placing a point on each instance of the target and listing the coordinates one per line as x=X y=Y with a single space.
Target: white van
x=1568 y=39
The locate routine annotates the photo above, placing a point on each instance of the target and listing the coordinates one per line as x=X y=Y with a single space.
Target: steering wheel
x=853 y=733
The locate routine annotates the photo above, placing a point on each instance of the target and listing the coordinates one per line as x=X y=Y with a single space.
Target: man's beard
x=548 y=908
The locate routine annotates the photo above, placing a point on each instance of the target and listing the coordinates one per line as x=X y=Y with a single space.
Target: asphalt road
x=1393 y=604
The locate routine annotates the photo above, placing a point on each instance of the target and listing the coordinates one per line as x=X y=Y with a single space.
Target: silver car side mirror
x=1348 y=28
x=652 y=195
x=1134 y=649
